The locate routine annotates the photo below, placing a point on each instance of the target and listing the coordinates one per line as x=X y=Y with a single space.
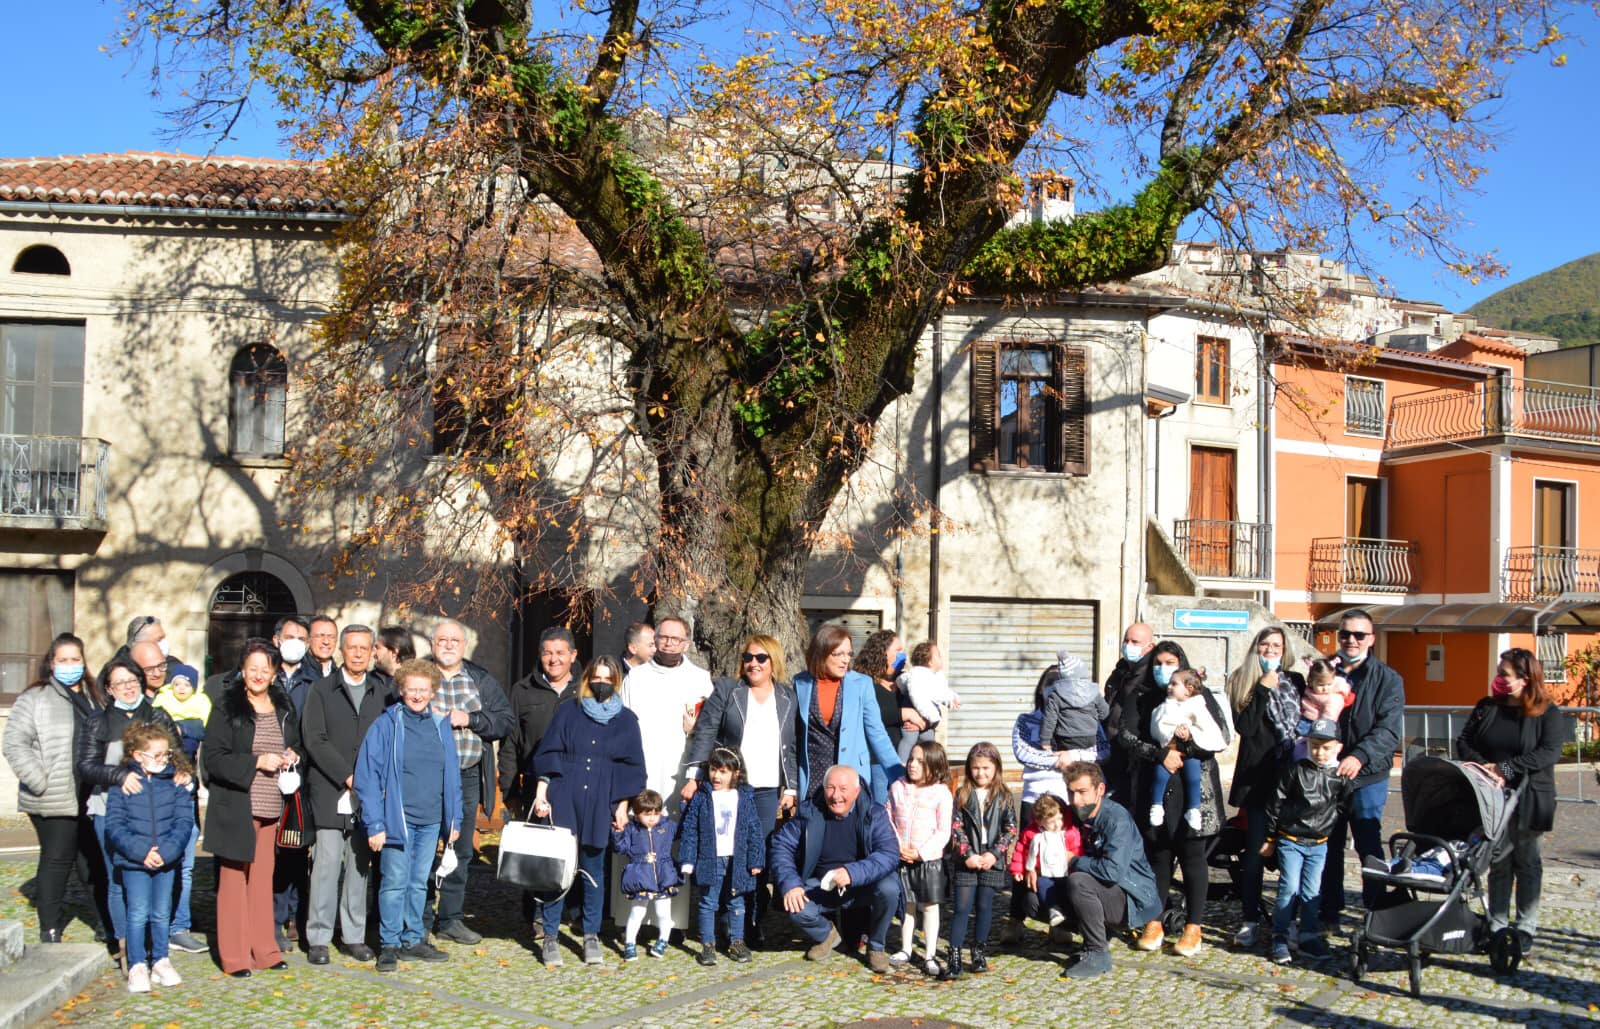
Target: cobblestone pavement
x=500 y=983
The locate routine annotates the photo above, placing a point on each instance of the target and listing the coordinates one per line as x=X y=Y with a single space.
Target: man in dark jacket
x=1132 y=663
x=533 y=700
x=479 y=714
x=1370 y=727
x=838 y=854
x=339 y=710
x=1110 y=885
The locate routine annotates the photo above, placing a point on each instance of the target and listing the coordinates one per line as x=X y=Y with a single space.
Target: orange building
x=1441 y=491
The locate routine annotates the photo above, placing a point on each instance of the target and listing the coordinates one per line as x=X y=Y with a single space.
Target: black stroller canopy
x=1453 y=799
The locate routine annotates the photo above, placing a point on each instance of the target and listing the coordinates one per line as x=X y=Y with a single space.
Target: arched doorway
x=243 y=605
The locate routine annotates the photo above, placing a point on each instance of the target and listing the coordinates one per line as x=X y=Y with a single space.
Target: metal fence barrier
x=1432 y=730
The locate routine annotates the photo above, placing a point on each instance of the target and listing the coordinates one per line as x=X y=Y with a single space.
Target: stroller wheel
x=1416 y=975
x=1505 y=951
x=1359 y=955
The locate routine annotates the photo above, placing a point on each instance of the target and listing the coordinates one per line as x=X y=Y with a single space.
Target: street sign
x=1213 y=618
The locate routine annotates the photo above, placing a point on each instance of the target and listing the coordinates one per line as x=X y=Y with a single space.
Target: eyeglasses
x=159 y=666
x=1348 y=634
x=759 y=659
x=671 y=639
x=599 y=678
x=117 y=683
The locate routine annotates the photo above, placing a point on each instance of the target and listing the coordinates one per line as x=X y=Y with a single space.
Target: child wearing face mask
x=1185 y=706
x=146 y=834
x=1300 y=817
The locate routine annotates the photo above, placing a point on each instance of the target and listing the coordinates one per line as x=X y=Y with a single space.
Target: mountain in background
x=1563 y=302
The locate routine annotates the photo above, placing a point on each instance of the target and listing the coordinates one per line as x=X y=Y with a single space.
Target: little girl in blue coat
x=650 y=878
x=146 y=833
x=721 y=844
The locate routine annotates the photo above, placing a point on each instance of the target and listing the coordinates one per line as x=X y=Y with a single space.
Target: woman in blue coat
x=590 y=763
x=839 y=715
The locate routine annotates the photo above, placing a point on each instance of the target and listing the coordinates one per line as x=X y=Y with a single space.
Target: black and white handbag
x=538 y=857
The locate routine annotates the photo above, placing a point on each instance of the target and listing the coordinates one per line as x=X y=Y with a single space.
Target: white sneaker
x=1158 y=815
x=1056 y=917
x=899 y=957
x=1246 y=936
x=1192 y=817
x=931 y=966
x=163 y=974
x=139 y=979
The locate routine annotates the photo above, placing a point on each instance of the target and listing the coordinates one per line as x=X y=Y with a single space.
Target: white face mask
x=288 y=781
x=165 y=647
x=292 y=651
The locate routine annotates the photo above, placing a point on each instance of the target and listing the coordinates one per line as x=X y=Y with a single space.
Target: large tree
x=598 y=238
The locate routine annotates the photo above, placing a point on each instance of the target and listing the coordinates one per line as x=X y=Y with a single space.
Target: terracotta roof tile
x=171 y=181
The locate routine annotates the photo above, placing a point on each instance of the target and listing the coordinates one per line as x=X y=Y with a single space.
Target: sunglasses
x=1347 y=634
x=759 y=659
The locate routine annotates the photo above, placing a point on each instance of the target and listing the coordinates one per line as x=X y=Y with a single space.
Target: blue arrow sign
x=1203 y=618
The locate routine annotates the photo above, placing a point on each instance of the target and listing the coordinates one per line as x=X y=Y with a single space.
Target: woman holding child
x=1185 y=823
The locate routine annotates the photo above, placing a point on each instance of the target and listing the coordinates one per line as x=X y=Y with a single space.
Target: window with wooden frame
x=259 y=380
x=1030 y=407
x=1211 y=370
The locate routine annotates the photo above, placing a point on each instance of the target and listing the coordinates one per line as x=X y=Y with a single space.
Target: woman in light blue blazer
x=839 y=719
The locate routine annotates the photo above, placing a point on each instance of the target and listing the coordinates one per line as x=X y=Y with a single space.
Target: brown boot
x=1152 y=936
x=1188 y=944
x=818 y=951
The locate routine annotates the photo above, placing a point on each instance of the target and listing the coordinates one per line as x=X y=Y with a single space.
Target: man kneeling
x=1110 y=885
x=838 y=855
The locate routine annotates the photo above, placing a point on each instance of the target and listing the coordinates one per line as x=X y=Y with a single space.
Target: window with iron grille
x=1553 y=656
x=1030 y=409
x=1211 y=370
x=1363 y=406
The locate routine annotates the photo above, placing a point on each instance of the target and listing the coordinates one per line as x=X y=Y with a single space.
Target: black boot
x=980 y=963
x=952 y=968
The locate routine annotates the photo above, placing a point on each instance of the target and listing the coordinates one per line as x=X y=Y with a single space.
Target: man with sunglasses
x=1370 y=728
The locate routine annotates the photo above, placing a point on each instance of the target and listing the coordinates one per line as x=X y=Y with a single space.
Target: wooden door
x=1212 y=510
x=1554 y=563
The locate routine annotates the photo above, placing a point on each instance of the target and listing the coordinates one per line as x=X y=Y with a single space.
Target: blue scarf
x=601 y=711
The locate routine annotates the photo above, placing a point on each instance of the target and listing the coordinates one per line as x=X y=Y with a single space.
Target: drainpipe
x=1264 y=462
x=936 y=479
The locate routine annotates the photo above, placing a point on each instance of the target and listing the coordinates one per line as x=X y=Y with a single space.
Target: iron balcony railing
x=53 y=478
x=1519 y=407
x=1362 y=564
x=1542 y=573
x=1225 y=550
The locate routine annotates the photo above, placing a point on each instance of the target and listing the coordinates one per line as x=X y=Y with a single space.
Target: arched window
x=243 y=605
x=259 y=391
x=42 y=259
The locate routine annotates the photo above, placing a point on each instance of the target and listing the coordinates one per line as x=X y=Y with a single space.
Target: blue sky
x=1537 y=207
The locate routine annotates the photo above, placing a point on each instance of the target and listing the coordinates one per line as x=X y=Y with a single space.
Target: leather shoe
x=358 y=952
x=243 y=973
x=456 y=932
x=278 y=966
x=818 y=951
x=49 y=935
x=317 y=955
x=1151 y=936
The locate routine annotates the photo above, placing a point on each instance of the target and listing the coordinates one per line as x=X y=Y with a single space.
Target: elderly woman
x=841 y=722
x=1173 y=842
x=1265 y=697
x=102 y=766
x=590 y=763
x=38 y=744
x=251 y=737
x=1516 y=733
x=754 y=715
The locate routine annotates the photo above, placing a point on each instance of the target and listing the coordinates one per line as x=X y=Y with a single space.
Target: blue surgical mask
x=68 y=675
x=1269 y=664
x=127 y=705
x=1132 y=652
x=899 y=662
x=1163 y=674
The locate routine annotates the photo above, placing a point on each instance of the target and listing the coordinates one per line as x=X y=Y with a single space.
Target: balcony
x=1225 y=550
x=1520 y=407
x=1356 y=564
x=53 y=482
x=1544 y=573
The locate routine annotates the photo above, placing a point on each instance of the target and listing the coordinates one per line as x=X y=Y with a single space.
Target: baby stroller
x=1456 y=815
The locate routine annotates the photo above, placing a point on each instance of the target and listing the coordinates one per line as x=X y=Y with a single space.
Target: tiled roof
x=172 y=182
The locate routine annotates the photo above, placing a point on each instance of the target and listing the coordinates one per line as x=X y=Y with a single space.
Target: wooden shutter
x=985 y=401
x=1071 y=368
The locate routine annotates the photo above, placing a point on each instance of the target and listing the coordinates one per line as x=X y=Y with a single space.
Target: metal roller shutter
x=859 y=624
x=997 y=648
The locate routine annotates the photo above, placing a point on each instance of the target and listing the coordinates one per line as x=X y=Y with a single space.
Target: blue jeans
x=1052 y=894
x=180 y=911
x=880 y=898
x=149 y=907
x=404 y=888
x=115 y=902
x=1191 y=783
x=716 y=895
x=591 y=876
x=1299 y=877
x=1364 y=825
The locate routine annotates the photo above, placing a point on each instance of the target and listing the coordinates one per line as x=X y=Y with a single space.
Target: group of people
x=827 y=794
